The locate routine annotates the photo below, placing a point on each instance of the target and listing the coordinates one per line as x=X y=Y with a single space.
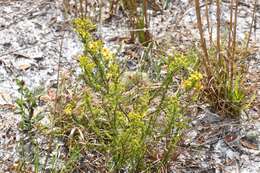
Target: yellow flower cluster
x=84 y=23
x=82 y=27
x=193 y=81
x=135 y=116
x=179 y=61
x=106 y=54
x=95 y=46
x=86 y=63
x=196 y=76
x=136 y=119
x=113 y=71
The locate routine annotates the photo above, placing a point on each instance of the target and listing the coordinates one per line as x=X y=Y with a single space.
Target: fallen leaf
x=230 y=138
x=8 y=106
x=249 y=143
x=24 y=67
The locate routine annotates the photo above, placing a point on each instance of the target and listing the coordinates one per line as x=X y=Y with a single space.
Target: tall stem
x=251 y=26
x=208 y=22
x=233 y=45
x=230 y=37
x=202 y=39
x=218 y=30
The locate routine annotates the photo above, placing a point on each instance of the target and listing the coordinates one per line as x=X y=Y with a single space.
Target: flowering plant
x=120 y=113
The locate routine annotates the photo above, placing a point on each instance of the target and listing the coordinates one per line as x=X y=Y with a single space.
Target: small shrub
x=125 y=115
x=127 y=119
x=28 y=146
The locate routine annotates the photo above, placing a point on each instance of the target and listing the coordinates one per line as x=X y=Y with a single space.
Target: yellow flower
x=83 y=24
x=95 y=46
x=82 y=27
x=68 y=109
x=113 y=70
x=196 y=76
x=135 y=116
x=84 y=35
x=106 y=54
x=86 y=63
x=187 y=84
x=193 y=81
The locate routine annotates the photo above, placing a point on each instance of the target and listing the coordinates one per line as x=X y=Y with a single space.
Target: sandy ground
x=35 y=38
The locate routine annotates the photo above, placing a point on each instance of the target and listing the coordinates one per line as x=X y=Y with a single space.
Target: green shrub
x=125 y=115
x=28 y=145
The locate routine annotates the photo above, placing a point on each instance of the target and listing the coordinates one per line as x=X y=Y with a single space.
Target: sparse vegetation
x=107 y=118
x=122 y=114
x=223 y=63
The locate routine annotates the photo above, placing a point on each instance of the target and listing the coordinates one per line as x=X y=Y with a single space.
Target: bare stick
x=218 y=30
x=208 y=22
x=230 y=24
x=229 y=35
x=233 y=45
x=81 y=8
x=202 y=39
x=251 y=26
x=76 y=8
